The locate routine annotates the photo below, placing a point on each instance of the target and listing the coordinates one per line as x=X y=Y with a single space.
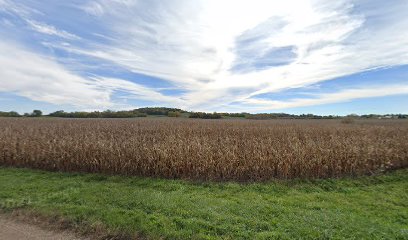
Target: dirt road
x=16 y=230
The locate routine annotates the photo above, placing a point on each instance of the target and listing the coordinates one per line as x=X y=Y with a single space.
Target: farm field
x=119 y=207
x=206 y=150
x=170 y=178
x=204 y=119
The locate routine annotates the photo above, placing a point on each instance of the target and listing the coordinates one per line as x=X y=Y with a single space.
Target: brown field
x=241 y=150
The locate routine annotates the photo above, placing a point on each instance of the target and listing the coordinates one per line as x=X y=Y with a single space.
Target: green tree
x=173 y=114
x=36 y=113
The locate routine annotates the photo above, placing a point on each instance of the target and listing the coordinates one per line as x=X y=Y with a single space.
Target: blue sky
x=316 y=56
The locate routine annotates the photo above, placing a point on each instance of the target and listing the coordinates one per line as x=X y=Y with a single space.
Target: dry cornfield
x=240 y=150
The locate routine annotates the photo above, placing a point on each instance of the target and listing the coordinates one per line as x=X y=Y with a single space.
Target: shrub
x=174 y=114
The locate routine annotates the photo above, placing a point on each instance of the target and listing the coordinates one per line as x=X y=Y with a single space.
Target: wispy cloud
x=50 y=30
x=254 y=104
x=100 y=7
x=27 y=15
x=222 y=54
x=41 y=78
x=15 y=8
x=136 y=91
x=321 y=42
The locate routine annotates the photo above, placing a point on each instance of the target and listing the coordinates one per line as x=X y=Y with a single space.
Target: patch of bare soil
x=12 y=229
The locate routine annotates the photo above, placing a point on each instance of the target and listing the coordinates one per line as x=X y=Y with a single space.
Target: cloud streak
x=327 y=98
x=222 y=54
x=43 y=79
x=325 y=39
x=51 y=30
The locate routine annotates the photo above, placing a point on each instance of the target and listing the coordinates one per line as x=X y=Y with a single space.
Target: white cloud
x=100 y=7
x=136 y=91
x=10 y=7
x=195 y=45
x=43 y=79
x=342 y=96
x=50 y=30
x=26 y=14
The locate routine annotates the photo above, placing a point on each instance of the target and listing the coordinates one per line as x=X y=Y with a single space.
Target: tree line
x=176 y=112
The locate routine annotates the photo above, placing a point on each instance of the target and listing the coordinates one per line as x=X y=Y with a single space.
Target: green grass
x=373 y=207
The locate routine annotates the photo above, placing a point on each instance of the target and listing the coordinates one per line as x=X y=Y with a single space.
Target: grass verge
x=374 y=207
